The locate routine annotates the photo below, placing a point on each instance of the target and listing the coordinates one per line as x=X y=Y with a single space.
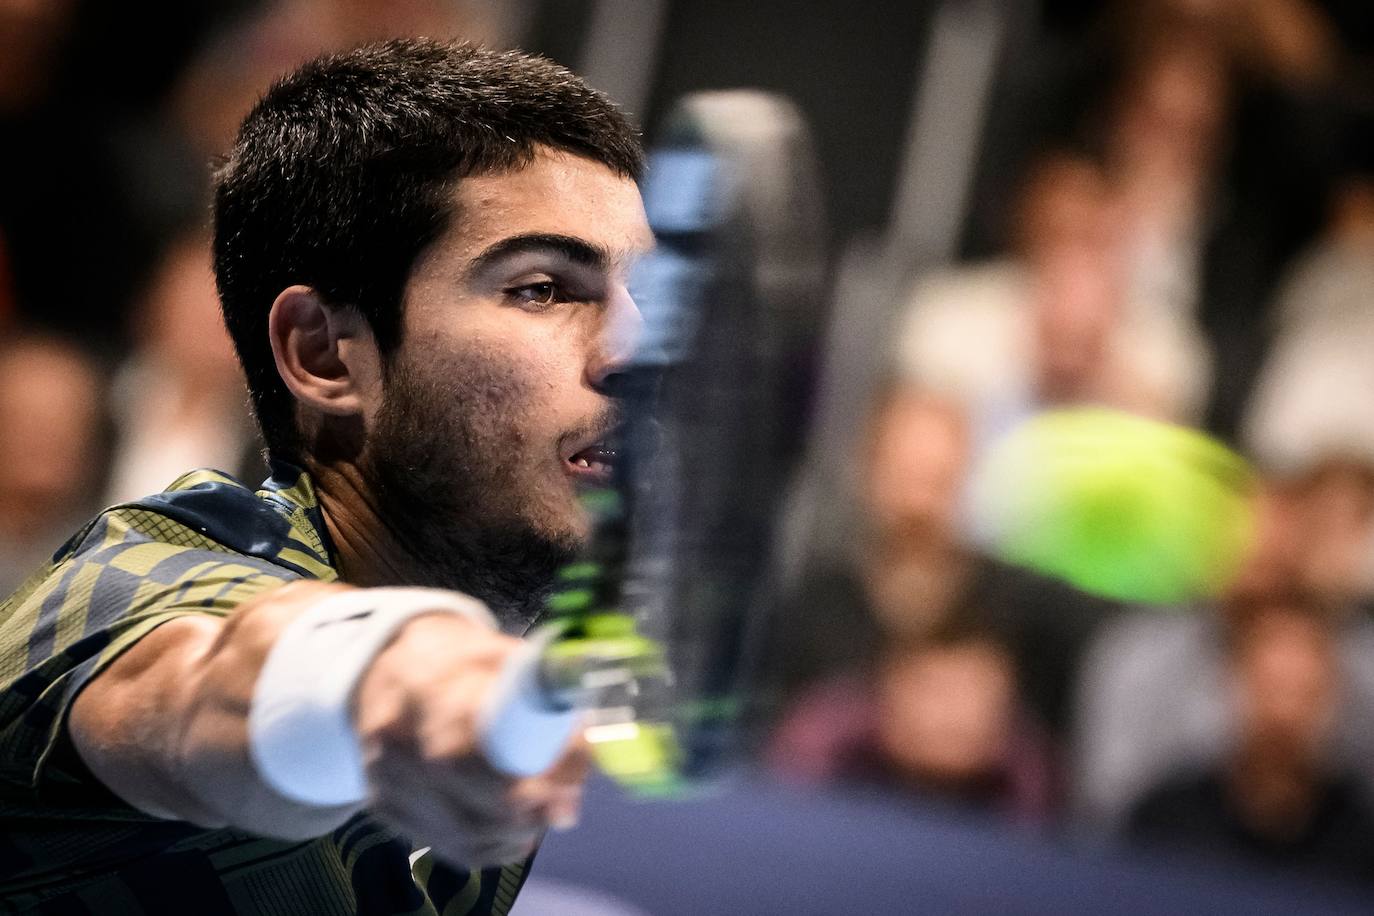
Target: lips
x=595 y=463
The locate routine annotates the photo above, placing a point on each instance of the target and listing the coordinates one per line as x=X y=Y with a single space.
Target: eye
x=543 y=293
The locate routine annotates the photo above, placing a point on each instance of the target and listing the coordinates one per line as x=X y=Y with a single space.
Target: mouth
x=594 y=464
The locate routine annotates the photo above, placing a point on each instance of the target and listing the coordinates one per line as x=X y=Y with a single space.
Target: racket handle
x=524 y=725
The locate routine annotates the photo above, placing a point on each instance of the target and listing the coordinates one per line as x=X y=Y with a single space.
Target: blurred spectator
x=179 y=401
x=913 y=562
x=1311 y=421
x=1163 y=134
x=940 y=718
x=1152 y=696
x=1329 y=283
x=1217 y=124
x=51 y=449
x=1327 y=512
x=1053 y=323
x=910 y=570
x=1275 y=797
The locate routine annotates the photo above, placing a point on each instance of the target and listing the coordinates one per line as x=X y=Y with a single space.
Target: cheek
x=516 y=381
x=511 y=396
x=549 y=364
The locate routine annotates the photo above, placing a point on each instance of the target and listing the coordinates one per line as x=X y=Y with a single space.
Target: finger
x=564 y=814
x=545 y=805
x=561 y=784
x=574 y=765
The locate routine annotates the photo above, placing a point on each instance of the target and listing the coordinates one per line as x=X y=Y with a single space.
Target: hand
x=416 y=713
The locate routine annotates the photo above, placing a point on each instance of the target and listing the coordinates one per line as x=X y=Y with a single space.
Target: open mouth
x=595 y=463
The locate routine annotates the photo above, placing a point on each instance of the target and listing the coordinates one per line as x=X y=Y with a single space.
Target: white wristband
x=300 y=725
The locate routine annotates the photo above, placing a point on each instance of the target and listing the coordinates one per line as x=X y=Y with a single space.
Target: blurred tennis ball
x=1117 y=505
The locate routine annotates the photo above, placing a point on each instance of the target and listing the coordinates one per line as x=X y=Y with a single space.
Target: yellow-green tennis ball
x=1118 y=505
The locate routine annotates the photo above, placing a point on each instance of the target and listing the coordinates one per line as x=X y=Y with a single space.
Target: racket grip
x=524 y=725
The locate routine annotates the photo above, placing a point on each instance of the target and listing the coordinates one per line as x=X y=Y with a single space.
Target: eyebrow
x=578 y=251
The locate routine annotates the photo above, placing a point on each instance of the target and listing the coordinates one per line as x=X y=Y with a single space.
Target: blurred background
x=1164 y=207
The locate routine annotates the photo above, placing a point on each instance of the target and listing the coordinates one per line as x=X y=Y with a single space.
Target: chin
x=568 y=520
x=575 y=530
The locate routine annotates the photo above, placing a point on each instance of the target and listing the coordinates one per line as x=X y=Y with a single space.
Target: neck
x=407 y=533
x=368 y=551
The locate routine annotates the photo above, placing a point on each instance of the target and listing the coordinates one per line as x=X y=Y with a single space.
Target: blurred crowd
x=1187 y=234
x=1184 y=190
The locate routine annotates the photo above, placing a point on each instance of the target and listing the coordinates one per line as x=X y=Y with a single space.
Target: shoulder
x=278 y=524
x=964 y=330
x=205 y=544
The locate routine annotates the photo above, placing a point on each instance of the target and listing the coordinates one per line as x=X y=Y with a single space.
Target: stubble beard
x=447 y=467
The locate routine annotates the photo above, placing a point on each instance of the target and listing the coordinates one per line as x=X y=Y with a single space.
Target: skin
x=165 y=726
x=1287 y=689
x=947 y=712
x=917 y=460
x=512 y=330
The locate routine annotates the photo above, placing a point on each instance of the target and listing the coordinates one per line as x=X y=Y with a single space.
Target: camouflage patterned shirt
x=68 y=845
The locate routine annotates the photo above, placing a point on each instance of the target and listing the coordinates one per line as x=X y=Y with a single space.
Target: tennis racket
x=654 y=631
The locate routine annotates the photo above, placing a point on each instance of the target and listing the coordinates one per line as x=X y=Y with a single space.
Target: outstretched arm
x=166 y=728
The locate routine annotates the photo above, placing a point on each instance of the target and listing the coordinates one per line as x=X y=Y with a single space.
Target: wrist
x=303 y=737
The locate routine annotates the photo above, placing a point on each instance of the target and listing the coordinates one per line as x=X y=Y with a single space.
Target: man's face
x=494 y=403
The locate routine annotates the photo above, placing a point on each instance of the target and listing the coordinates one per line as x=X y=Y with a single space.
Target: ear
x=326 y=355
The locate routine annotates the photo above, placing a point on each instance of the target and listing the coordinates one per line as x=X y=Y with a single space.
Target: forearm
x=331 y=697
x=166 y=727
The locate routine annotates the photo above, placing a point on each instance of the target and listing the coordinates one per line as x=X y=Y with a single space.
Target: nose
x=619 y=336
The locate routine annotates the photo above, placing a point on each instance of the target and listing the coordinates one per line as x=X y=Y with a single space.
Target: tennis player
x=218 y=701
